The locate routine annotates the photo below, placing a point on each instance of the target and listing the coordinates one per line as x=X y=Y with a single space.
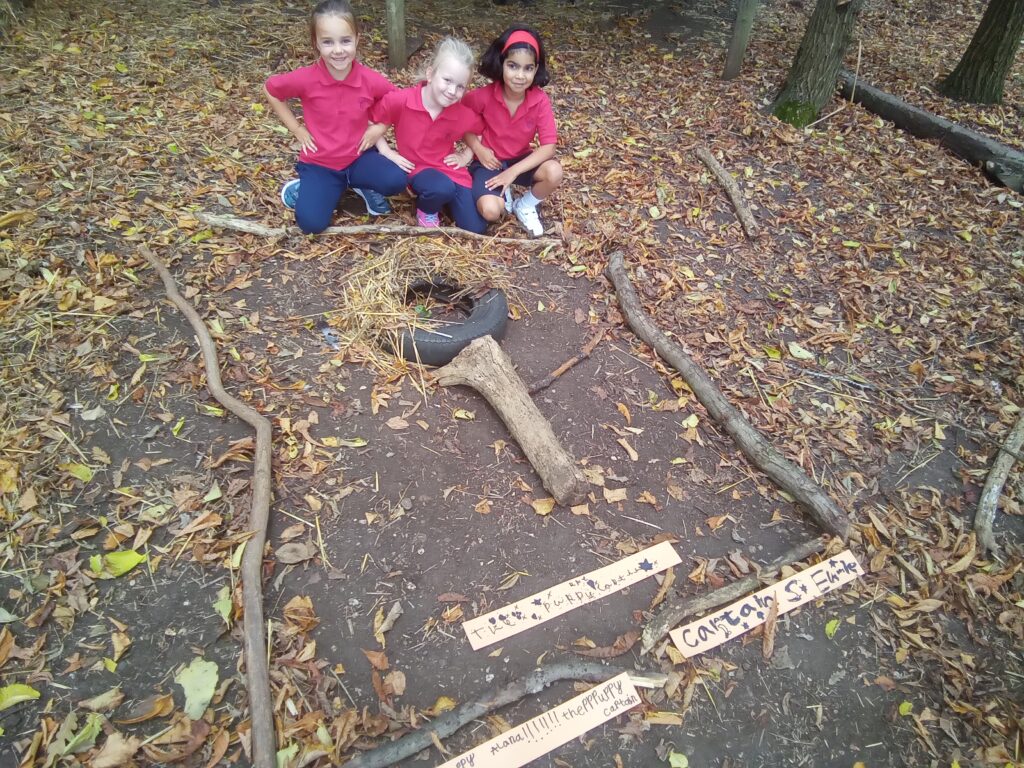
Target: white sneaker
x=528 y=217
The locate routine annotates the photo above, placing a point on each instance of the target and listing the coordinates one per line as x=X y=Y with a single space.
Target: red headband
x=522 y=36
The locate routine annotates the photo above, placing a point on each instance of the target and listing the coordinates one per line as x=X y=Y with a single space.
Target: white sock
x=528 y=200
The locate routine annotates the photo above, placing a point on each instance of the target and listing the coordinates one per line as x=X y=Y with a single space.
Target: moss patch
x=796 y=113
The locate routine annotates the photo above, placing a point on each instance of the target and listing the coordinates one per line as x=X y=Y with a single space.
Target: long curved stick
x=755 y=447
x=264 y=747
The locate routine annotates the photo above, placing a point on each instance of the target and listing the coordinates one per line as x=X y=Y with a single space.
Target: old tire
x=438 y=345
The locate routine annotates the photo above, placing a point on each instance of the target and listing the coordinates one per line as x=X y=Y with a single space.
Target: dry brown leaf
x=147 y=709
x=377 y=659
x=117 y=751
x=296 y=552
x=622 y=644
x=768 y=635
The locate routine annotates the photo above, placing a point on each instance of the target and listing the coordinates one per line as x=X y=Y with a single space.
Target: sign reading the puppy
x=743 y=615
x=554 y=728
x=512 y=619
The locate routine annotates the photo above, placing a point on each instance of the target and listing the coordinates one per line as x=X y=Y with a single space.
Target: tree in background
x=812 y=77
x=980 y=75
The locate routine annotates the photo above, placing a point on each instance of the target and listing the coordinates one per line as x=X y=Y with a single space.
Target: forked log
x=759 y=451
x=484 y=367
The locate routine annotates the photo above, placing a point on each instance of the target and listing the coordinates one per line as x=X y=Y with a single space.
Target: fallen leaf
x=543 y=506
x=117 y=751
x=103 y=702
x=614 y=495
x=622 y=644
x=296 y=552
x=198 y=680
x=15 y=694
x=377 y=659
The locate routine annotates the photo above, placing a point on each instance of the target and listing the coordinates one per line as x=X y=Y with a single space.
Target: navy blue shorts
x=481 y=175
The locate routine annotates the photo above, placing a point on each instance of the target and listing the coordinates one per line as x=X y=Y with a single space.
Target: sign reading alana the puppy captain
x=743 y=615
x=557 y=726
x=562 y=598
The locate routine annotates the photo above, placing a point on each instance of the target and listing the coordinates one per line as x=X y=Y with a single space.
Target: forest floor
x=873 y=333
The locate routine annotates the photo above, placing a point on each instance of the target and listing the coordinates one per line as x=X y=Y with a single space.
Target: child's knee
x=490 y=207
x=553 y=172
x=312 y=224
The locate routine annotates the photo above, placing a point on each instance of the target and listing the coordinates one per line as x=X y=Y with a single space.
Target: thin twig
x=732 y=189
x=548 y=380
x=264 y=749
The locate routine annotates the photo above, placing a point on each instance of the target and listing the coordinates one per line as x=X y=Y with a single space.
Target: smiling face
x=518 y=71
x=446 y=83
x=336 y=42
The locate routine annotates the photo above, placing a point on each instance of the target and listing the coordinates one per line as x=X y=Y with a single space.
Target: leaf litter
x=876 y=328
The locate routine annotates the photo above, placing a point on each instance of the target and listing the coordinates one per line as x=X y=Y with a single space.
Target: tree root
x=548 y=380
x=989 y=501
x=224 y=221
x=264 y=749
x=675 y=610
x=450 y=722
x=755 y=447
x=732 y=189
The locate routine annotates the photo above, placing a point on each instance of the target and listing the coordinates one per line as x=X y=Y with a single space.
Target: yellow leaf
x=100 y=303
x=15 y=694
x=543 y=506
x=462 y=413
x=80 y=471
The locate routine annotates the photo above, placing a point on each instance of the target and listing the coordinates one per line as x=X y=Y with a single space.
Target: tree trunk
x=745 y=12
x=812 y=77
x=397 y=56
x=980 y=75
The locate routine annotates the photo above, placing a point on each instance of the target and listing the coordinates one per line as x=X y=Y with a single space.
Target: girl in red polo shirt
x=515 y=110
x=428 y=120
x=336 y=95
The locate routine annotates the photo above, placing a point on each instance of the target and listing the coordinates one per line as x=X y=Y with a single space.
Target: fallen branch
x=738 y=202
x=548 y=380
x=675 y=610
x=761 y=454
x=264 y=748
x=1002 y=163
x=487 y=369
x=224 y=221
x=450 y=722
x=989 y=501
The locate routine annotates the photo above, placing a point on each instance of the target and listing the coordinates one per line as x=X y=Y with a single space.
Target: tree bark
x=1002 y=163
x=745 y=12
x=812 y=77
x=759 y=451
x=397 y=55
x=981 y=73
x=487 y=369
x=989 y=501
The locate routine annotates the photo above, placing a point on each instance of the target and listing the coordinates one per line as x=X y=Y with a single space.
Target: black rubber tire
x=487 y=316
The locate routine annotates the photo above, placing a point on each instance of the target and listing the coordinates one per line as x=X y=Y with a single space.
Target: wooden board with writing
x=743 y=615
x=536 y=609
x=557 y=726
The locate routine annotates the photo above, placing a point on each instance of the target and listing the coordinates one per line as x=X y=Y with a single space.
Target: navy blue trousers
x=434 y=191
x=321 y=188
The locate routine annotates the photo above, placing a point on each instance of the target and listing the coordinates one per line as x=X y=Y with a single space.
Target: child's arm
x=288 y=119
x=484 y=154
x=540 y=155
x=374 y=134
x=386 y=151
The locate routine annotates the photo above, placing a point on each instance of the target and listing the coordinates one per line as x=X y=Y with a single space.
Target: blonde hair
x=339 y=8
x=453 y=47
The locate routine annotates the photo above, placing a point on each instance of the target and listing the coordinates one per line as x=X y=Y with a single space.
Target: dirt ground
x=899 y=267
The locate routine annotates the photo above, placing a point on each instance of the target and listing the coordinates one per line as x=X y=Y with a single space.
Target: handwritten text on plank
x=536 y=609
x=554 y=728
x=743 y=615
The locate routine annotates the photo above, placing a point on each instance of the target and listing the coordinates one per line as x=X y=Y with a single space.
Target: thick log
x=487 y=369
x=759 y=451
x=1003 y=164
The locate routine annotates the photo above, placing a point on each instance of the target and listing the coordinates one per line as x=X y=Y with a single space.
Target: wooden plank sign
x=536 y=609
x=556 y=727
x=743 y=615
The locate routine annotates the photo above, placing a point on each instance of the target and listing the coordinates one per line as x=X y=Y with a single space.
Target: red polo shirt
x=423 y=140
x=507 y=135
x=336 y=112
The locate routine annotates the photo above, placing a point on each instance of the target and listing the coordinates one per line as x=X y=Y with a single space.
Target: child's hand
x=403 y=163
x=459 y=159
x=488 y=159
x=499 y=182
x=373 y=133
x=305 y=139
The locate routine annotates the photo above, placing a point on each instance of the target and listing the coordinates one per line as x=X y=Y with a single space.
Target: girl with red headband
x=515 y=111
